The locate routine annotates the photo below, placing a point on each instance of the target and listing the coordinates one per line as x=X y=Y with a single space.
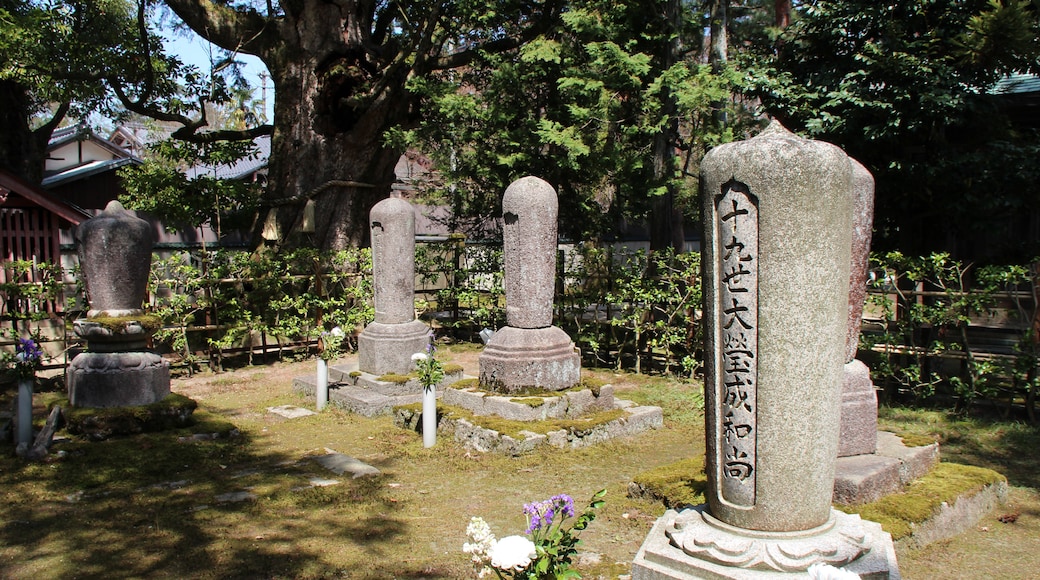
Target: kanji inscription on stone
x=736 y=225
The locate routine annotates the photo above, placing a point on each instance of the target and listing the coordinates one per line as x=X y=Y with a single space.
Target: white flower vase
x=25 y=395
x=322 y=393
x=429 y=416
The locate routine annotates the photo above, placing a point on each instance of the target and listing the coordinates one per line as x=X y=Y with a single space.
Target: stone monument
x=858 y=399
x=777 y=232
x=529 y=352
x=115 y=254
x=388 y=343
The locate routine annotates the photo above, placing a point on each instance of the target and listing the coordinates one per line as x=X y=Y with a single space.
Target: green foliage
x=160 y=186
x=582 y=107
x=57 y=50
x=928 y=306
x=32 y=291
x=294 y=296
x=427 y=367
x=643 y=303
x=850 y=72
x=466 y=280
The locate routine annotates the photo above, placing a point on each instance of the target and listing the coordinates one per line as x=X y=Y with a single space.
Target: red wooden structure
x=30 y=224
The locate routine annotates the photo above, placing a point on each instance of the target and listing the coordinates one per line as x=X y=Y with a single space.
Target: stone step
x=861 y=479
x=363 y=393
x=636 y=420
x=517 y=407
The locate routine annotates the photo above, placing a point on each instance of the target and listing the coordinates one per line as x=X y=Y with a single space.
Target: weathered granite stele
x=870 y=464
x=115 y=253
x=529 y=352
x=858 y=399
x=777 y=215
x=388 y=343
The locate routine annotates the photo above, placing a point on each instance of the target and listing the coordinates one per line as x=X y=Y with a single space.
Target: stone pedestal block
x=388 y=348
x=693 y=544
x=858 y=412
x=117 y=379
x=516 y=359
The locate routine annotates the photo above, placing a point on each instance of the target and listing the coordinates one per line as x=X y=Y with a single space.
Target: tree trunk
x=718 y=28
x=22 y=151
x=335 y=96
x=781 y=13
x=666 y=218
x=329 y=149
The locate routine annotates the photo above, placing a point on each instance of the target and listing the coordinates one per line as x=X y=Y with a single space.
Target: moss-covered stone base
x=683 y=484
x=492 y=433
x=173 y=412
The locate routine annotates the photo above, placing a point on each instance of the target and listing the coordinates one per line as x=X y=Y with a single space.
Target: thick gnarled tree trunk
x=327 y=151
x=340 y=68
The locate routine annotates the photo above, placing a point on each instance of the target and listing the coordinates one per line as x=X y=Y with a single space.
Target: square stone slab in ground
x=340 y=464
x=290 y=411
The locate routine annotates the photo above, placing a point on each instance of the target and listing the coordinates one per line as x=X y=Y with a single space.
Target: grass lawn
x=255 y=505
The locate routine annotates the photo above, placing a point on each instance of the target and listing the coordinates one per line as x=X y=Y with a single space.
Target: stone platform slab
x=635 y=420
x=860 y=479
x=953 y=519
x=565 y=404
x=363 y=393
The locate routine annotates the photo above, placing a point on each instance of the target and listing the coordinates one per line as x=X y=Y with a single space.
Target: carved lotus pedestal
x=693 y=544
x=116 y=371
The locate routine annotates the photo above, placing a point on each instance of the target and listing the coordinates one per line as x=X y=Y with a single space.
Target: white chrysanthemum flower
x=336 y=331
x=478 y=530
x=821 y=571
x=419 y=356
x=512 y=553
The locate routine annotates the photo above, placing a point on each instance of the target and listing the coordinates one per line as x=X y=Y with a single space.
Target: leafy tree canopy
x=904 y=87
x=580 y=106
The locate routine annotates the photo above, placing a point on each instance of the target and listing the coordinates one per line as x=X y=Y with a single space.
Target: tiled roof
x=86 y=170
x=1017 y=84
x=240 y=169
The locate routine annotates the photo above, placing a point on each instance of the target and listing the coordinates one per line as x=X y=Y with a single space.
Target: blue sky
x=193 y=49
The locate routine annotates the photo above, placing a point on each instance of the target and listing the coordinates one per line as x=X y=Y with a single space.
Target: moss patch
x=172 y=412
x=580 y=426
x=394 y=378
x=899 y=513
x=470 y=383
x=677 y=485
x=533 y=402
x=117 y=324
x=591 y=383
x=452 y=369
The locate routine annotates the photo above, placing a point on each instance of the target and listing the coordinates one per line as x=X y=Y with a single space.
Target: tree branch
x=542 y=23
x=235 y=30
x=189 y=130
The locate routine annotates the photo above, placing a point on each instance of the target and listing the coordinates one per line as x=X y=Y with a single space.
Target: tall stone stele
x=115 y=254
x=777 y=213
x=858 y=398
x=529 y=352
x=388 y=343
